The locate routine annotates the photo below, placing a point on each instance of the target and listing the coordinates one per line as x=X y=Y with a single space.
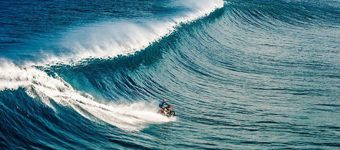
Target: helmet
x=164 y=100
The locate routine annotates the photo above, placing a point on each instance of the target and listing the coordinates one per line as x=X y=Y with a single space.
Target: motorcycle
x=169 y=112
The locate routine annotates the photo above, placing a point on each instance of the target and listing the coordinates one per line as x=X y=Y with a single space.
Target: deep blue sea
x=240 y=74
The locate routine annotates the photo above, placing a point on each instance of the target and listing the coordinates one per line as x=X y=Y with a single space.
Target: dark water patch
x=273 y=114
x=254 y=142
x=322 y=110
x=266 y=122
x=309 y=92
x=330 y=127
x=329 y=105
x=270 y=89
x=332 y=76
x=314 y=144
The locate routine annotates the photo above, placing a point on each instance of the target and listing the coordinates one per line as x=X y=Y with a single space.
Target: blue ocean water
x=241 y=74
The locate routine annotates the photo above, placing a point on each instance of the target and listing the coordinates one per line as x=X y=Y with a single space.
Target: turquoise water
x=240 y=74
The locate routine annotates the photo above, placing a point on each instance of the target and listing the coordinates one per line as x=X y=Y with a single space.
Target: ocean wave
x=123 y=37
x=48 y=89
x=247 y=68
x=101 y=40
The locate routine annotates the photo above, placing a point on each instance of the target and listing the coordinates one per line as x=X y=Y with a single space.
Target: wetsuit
x=164 y=105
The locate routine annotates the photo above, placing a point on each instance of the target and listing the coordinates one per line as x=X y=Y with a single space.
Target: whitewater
x=127 y=39
x=240 y=74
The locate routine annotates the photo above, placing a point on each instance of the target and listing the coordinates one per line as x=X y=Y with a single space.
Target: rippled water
x=248 y=75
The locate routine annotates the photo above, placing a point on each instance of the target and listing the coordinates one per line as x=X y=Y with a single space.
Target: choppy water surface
x=240 y=74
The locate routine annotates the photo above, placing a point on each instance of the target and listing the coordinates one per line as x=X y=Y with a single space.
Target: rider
x=164 y=105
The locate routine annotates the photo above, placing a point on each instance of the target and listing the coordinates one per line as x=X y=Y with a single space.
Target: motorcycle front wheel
x=172 y=113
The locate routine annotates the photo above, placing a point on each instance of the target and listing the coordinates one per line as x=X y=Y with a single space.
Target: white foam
x=133 y=116
x=110 y=39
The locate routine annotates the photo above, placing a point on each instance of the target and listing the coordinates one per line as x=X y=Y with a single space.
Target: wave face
x=240 y=74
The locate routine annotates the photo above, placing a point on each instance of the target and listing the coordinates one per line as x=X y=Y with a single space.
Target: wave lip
x=110 y=39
